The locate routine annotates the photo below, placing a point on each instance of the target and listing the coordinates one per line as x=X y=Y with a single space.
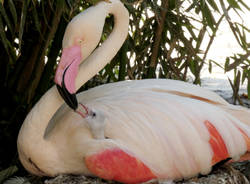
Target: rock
x=74 y=179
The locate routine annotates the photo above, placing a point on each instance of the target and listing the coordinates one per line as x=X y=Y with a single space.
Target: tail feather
x=244 y=157
x=242 y=114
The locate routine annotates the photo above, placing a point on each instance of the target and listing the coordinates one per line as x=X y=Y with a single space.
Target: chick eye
x=94 y=114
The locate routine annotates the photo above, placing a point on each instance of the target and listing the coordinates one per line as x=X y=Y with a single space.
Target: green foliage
x=4 y=174
x=166 y=40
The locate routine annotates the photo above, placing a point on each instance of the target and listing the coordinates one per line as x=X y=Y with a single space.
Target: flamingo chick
x=95 y=120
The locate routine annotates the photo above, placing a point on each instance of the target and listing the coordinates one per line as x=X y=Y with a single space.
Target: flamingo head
x=81 y=36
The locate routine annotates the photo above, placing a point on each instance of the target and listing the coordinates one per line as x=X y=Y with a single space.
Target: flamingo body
x=161 y=128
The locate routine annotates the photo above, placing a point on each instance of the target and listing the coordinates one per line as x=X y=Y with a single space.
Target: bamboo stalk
x=157 y=40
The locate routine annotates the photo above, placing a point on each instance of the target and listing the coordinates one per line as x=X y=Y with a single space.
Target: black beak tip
x=70 y=99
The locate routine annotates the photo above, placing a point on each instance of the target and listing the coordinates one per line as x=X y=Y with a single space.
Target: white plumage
x=164 y=130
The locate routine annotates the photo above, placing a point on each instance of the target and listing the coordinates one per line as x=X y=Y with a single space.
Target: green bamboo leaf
x=44 y=14
x=248 y=89
x=61 y=4
x=93 y=2
x=236 y=11
x=244 y=75
x=22 y=22
x=36 y=19
x=192 y=66
x=6 y=18
x=216 y=63
x=207 y=15
x=201 y=36
x=243 y=27
x=234 y=4
x=3 y=37
x=237 y=82
x=123 y=60
x=6 y=43
x=197 y=9
x=213 y=5
x=210 y=67
x=4 y=174
x=190 y=28
x=193 y=5
x=226 y=64
x=244 y=4
x=242 y=36
x=68 y=3
x=172 y=4
x=13 y=11
x=248 y=84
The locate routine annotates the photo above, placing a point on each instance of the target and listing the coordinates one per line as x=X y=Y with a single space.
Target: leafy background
x=164 y=41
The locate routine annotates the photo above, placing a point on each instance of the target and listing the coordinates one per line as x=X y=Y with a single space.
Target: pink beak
x=66 y=74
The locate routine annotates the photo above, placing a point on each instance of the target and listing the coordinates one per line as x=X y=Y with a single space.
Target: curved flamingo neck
x=36 y=122
x=104 y=54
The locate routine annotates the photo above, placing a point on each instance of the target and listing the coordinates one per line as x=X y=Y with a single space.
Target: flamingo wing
x=163 y=130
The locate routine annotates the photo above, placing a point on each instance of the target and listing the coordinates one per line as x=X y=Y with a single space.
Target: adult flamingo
x=130 y=131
